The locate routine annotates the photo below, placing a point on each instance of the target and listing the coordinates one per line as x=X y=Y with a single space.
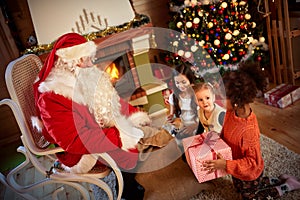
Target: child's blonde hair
x=203 y=85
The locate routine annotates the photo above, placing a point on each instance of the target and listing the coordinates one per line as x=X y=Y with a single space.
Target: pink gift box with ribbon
x=203 y=147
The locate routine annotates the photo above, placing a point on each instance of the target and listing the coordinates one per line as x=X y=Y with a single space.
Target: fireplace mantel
x=134 y=40
x=124 y=36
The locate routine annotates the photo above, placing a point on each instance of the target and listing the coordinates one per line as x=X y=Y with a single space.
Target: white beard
x=104 y=102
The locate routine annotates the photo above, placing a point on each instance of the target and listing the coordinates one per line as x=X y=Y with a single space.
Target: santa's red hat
x=68 y=47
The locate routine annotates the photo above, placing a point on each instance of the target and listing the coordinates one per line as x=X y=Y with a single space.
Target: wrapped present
x=203 y=147
x=282 y=96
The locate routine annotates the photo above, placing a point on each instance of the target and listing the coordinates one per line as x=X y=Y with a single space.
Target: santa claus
x=79 y=110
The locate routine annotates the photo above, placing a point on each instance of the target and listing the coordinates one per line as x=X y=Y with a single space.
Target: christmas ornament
x=216 y=42
x=247 y=16
x=228 y=36
x=179 y=24
x=261 y=39
x=196 y=20
x=180 y=52
x=189 y=24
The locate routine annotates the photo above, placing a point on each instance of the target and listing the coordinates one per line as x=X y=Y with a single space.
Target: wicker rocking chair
x=20 y=75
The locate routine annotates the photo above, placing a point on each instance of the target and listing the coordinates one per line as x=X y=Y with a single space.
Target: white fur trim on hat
x=87 y=49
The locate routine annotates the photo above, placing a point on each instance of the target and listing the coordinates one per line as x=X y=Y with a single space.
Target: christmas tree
x=214 y=34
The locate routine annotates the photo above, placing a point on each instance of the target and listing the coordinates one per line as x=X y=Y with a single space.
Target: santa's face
x=85 y=62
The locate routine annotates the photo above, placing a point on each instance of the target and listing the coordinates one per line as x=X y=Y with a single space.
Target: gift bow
x=207 y=143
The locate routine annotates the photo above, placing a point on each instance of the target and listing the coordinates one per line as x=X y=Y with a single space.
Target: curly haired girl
x=241 y=132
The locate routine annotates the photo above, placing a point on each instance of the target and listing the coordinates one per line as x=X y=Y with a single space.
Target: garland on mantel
x=138 y=21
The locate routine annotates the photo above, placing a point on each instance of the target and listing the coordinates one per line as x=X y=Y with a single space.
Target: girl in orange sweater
x=241 y=132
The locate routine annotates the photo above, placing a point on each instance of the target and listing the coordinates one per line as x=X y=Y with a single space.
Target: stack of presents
x=282 y=96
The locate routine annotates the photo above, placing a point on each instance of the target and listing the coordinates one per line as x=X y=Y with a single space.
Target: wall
x=157 y=10
x=8 y=51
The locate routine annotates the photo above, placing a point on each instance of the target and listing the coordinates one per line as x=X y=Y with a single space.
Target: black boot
x=132 y=189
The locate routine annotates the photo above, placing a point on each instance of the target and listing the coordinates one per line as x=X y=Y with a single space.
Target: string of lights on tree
x=214 y=34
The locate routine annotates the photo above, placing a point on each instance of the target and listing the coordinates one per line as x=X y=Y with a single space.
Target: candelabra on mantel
x=89 y=22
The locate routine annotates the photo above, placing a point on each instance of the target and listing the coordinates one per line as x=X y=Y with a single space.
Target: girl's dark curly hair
x=184 y=69
x=243 y=84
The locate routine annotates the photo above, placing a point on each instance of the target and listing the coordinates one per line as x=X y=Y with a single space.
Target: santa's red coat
x=71 y=126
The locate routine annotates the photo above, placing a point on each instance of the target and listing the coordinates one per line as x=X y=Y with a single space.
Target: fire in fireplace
x=113 y=71
x=118 y=68
x=123 y=76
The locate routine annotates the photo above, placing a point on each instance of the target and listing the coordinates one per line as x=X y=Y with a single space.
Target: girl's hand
x=212 y=165
x=170 y=118
x=189 y=130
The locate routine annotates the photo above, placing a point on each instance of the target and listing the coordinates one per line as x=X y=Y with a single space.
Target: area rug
x=278 y=160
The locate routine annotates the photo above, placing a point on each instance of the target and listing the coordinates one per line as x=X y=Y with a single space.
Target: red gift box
x=203 y=147
x=282 y=96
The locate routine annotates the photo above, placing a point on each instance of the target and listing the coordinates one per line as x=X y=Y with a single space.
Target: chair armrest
x=108 y=159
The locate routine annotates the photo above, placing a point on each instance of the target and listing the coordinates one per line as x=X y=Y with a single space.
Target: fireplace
x=122 y=74
x=125 y=57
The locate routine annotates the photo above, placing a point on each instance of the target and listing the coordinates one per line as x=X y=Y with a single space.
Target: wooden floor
x=282 y=125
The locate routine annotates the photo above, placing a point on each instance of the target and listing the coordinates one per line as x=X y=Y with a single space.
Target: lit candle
x=81 y=20
x=77 y=25
x=99 y=20
x=85 y=16
x=106 y=24
x=92 y=16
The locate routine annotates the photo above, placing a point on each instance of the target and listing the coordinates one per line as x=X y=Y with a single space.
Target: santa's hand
x=130 y=141
x=137 y=133
x=140 y=119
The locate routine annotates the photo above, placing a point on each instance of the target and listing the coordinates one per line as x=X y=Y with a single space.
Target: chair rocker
x=20 y=75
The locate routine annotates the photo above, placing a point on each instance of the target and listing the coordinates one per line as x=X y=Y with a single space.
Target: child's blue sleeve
x=221 y=117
